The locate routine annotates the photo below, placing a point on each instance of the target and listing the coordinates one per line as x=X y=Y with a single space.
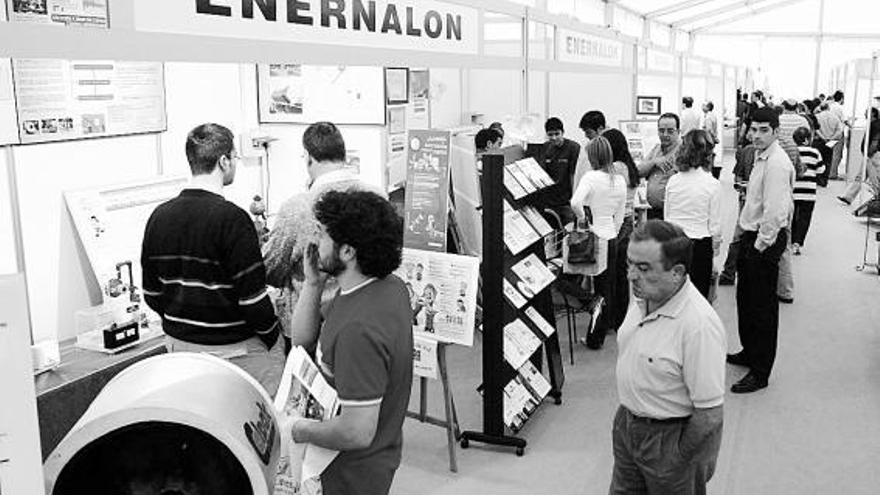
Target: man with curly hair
x=365 y=345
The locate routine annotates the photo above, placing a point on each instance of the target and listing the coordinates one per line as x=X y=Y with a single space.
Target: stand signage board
x=425 y=25
x=581 y=48
x=60 y=100
x=427 y=190
x=80 y=13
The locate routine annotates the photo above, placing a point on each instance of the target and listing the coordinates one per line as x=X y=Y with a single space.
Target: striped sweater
x=203 y=271
x=805 y=185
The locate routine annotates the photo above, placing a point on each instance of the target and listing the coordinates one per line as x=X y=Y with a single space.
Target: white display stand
x=20 y=468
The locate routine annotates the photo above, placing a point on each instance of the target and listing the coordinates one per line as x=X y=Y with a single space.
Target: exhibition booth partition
x=94 y=118
x=860 y=81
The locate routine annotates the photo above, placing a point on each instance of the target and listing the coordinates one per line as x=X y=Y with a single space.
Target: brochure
x=540 y=322
x=513 y=186
x=513 y=295
x=518 y=232
x=534 y=276
x=519 y=343
x=535 y=173
x=534 y=381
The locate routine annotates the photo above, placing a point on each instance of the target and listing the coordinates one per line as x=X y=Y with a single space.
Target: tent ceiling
x=702 y=15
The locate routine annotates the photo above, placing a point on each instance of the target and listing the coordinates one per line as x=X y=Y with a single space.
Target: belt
x=656 y=421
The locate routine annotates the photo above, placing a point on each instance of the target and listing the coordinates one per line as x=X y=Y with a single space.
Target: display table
x=64 y=394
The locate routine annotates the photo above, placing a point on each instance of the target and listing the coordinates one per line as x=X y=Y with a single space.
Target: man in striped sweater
x=202 y=267
x=805 y=188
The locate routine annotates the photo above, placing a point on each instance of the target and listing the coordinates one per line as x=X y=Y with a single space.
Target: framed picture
x=397 y=85
x=647 y=105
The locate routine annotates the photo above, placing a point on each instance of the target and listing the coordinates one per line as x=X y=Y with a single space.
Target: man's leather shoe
x=749 y=383
x=722 y=280
x=786 y=300
x=738 y=359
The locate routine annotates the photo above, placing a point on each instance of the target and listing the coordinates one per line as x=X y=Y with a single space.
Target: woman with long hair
x=693 y=202
x=604 y=193
x=625 y=166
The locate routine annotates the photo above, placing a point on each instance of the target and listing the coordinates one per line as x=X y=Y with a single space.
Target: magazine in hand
x=303 y=393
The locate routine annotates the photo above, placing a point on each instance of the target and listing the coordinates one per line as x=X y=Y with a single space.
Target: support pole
x=819 y=39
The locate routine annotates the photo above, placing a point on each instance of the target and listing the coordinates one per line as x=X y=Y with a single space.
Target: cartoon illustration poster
x=427 y=190
x=443 y=293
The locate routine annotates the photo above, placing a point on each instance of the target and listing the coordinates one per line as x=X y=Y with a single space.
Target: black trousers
x=605 y=287
x=757 y=305
x=621 y=284
x=827 y=155
x=655 y=214
x=701 y=265
x=803 y=215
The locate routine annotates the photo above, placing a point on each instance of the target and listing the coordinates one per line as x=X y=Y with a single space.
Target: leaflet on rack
x=513 y=186
x=303 y=393
x=522 y=178
x=519 y=403
x=535 y=381
x=537 y=220
x=535 y=173
x=519 y=343
x=534 y=276
x=540 y=322
x=513 y=295
x=518 y=233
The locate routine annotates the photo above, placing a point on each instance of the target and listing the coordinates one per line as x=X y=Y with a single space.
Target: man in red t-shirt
x=365 y=346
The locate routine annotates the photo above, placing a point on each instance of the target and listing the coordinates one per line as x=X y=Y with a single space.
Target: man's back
x=203 y=272
x=690 y=120
x=366 y=352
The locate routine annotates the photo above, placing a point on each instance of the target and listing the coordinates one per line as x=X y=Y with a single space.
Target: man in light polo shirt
x=670 y=372
x=365 y=346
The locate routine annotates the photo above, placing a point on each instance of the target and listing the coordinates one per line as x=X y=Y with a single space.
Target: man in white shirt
x=836 y=109
x=691 y=118
x=670 y=373
x=765 y=221
x=830 y=130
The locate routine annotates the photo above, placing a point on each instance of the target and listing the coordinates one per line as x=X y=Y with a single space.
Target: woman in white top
x=693 y=202
x=604 y=193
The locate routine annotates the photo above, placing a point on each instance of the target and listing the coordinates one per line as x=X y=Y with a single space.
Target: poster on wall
x=8 y=120
x=60 y=100
x=397 y=85
x=427 y=190
x=419 y=108
x=641 y=135
x=81 y=13
x=443 y=293
x=110 y=221
x=303 y=94
x=648 y=105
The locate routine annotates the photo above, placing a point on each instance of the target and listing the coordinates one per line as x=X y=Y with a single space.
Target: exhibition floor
x=815 y=429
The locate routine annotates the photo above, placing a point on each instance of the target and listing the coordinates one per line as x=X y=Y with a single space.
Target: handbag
x=582 y=243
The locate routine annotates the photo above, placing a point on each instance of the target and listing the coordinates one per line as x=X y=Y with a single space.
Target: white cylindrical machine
x=176 y=424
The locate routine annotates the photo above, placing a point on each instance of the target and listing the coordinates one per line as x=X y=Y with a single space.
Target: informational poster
x=82 y=13
x=427 y=190
x=425 y=362
x=443 y=293
x=419 y=107
x=8 y=119
x=73 y=99
x=397 y=85
x=303 y=94
x=110 y=222
x=641 y=135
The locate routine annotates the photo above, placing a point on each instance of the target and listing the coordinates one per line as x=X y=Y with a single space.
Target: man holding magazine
x=364 y=341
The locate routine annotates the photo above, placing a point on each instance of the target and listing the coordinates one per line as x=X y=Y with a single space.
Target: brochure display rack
x=518 y=319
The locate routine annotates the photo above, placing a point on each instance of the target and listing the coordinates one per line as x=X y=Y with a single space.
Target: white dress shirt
x=605 y=195
x=769 y=197
x=693 y=202
x=671 y=361
x=691 y=119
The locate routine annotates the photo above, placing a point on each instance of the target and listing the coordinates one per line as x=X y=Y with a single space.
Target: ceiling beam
x=794 y=34
x=718 y=12
x=676 y=7
x=745 y=15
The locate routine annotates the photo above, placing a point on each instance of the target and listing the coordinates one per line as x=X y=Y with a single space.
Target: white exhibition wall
x=7 y=232
x=573 y=94
x=496 y=94
x=696 y=88
x=666 y=87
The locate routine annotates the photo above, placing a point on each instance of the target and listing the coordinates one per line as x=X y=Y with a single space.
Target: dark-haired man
x=691 y=118
x=765 y=221
x=487 y=140
x=295 y=226
x=202 y=268
x=670 y=372
x=365 y=344
x=559 y=157
x=659 y=165
x=593 y=124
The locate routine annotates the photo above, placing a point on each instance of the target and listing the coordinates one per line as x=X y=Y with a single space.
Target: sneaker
x=844 y=200
x=796 y=249
x=749 y=383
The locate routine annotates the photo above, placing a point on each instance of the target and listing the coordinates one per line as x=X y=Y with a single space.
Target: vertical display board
x=641 y=135
x=414 y=114
x=60 y=100
x=8 y=120
x=303 y=94
x=427 y=190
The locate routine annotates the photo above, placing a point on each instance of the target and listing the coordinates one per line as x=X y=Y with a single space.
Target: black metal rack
x=497 y=312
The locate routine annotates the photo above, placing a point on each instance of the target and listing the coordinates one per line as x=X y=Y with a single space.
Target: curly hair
x=697 y=151
x=368 y=223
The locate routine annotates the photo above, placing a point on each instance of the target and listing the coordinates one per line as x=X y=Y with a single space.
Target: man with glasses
x=202 y=267
x=659 y=165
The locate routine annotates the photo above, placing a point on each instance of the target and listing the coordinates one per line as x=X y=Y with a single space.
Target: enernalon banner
x=426 y=25
x=580 y=48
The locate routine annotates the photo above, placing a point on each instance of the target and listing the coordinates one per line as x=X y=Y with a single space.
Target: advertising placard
x=427 y=190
